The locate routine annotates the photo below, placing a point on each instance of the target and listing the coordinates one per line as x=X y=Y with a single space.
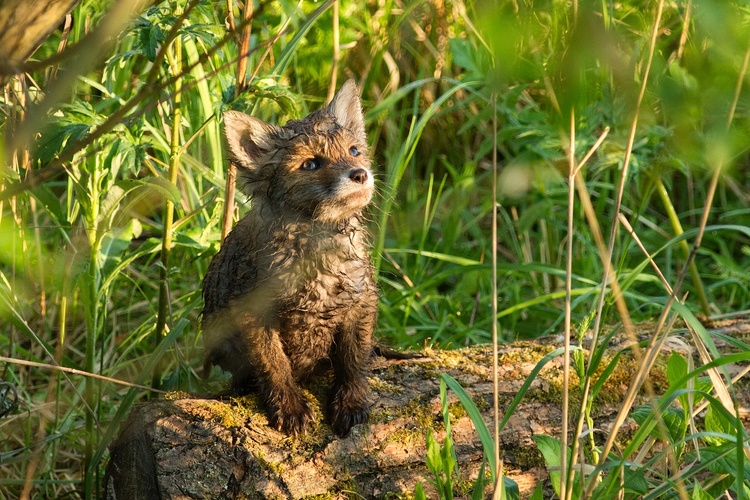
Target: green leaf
x=447 y=454
x=551 y=451
x=676 y=424
x=526 y=384
x=290 y=50
x=150 y=37
x=635 y=482
x=676 y=368
x=699 y=493
x=720 y=460
x=640 y=413
x=419 y=492
x=464 y=53
x=450 y=463
x=481 y=482
x=538 y=493
x=510 y=489
x=716 y=421
x=115 y=244
x=56 y=138
x=488 y=443
x=674 y=421
x=434 y=460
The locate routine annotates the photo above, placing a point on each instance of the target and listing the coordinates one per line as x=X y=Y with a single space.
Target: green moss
x=228 y=415
x=381 y=385
x=612 y=391
x=419 y=412
x=382 y=417
x=175 y=395
x=481 y=402
x=274 y=467
x=407 y=437
x=526 y=458
x=249 y=403
x=237 y=412
x=456 y=410
x=524 y=353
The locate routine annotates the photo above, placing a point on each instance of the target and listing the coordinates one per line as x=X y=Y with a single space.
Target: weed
x=620 y=131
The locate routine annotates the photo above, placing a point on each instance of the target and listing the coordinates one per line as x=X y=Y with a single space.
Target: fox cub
x=292 y=287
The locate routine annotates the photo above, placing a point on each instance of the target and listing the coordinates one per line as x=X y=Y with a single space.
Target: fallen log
x=184 y=448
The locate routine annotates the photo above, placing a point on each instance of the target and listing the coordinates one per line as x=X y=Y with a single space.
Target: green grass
x=95 y=276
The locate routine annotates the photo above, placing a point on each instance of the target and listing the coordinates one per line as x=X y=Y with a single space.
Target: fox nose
x=359 y=175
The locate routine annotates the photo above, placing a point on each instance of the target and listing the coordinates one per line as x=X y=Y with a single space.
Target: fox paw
x=292 y=414
x=346 y=412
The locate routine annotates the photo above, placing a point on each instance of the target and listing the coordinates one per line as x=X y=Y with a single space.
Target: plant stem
x=674 y=219
x=336 y=52
x=495 y=340
x=92 y=280
x=240 y=85
x=564 y=465
x=175 y=63
x=607 y=257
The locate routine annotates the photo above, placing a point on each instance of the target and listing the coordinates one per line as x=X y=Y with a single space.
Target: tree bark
x=206 y=448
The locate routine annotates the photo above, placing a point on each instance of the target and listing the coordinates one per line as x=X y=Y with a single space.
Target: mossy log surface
x=206 y=448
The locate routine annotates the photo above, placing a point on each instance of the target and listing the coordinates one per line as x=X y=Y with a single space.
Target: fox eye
x=310 y=164
x=354 y=151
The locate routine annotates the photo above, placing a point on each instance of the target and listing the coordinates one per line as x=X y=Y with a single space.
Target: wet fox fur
x=292 y=287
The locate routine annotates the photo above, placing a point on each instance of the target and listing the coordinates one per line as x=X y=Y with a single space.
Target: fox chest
x=324 y=294
x=323 y=301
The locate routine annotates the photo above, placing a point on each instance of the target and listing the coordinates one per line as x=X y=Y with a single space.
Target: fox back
x=292 y=287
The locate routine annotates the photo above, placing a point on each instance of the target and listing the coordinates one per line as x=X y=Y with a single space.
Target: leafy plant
x=441 y=459
x=620 y=130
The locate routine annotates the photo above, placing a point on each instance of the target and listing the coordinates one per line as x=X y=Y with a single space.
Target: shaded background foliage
x=97 y=144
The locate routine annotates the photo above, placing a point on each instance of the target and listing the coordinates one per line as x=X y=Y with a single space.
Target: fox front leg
x=349 y=404
x=288 y=408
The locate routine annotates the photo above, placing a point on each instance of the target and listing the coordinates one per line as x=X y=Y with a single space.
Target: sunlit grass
x=82 y=276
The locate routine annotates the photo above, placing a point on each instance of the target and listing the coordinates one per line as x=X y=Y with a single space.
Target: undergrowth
x=114 y=191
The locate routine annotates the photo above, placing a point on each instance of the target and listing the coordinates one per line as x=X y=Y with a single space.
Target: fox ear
x=347 y=109
x=248 y=137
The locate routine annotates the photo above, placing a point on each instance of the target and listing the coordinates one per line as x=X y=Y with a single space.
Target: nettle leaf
x=267 y=90
x=208 y=33
x=716 y=421
x=640 y=413
x=699 y=493
x=551 y=449
x=674 y=421
x=676 y=368
x=125 y=155
x=720 y=460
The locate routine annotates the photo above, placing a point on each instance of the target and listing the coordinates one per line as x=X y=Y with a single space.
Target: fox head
x=317 y=167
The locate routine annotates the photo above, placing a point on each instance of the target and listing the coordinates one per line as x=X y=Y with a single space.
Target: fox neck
x=283 y=217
